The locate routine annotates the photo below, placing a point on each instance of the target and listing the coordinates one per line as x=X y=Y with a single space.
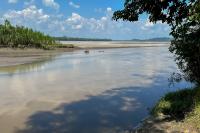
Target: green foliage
x=159 y=10
x=63 y=46
x=22 y=37
x=194 y=116
x=184 y=18
x=186 y=45
x=178 y=104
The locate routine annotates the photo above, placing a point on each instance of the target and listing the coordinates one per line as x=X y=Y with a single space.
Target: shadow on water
x=114 y=111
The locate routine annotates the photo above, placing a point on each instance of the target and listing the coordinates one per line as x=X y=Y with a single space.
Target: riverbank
x=113 y=44
x=175 y=112
x=161 y=125
x=11 y=57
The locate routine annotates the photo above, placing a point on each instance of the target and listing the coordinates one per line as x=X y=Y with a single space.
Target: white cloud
x=16 y=1
x=149 y=24
x=109 y=9
x=91 y=26
x=75 y=21
x=152 y=27
x=27 y=15
x=74 y=5
x=51 y=3
x=74 y=18
x=12 y=1
x=77 y=25
x=104 y=27
x=28 y=3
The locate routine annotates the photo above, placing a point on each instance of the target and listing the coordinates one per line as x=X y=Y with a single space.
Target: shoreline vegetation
x=175 y=112
x=23 y=37
x=21 y=45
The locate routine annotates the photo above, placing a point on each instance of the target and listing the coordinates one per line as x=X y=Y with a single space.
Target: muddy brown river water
x=107 y=91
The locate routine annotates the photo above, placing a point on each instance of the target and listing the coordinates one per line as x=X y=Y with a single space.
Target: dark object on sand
x=87 y=51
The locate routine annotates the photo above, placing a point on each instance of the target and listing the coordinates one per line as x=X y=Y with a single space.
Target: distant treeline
x=159 y=39
x=22 y=37
x=79 y=39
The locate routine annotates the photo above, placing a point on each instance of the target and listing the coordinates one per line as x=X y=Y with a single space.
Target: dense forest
x=79 y=39
x=22 y=37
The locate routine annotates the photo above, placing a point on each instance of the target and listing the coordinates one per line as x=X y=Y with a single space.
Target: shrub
x=22 y=37
x=177 y=104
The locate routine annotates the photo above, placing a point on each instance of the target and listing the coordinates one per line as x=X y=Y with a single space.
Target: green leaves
x=159 y=10
x=22 y=37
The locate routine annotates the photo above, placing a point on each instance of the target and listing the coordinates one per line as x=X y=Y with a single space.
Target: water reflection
x=36 y=66
x=114 y=111
x=88 y=93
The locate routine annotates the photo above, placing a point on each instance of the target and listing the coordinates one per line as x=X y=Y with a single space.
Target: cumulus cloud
x=78 y=25
x=51 y=3
x=74 y=18
x=29 y=2
x=30 y=17
x=76 y=21
x=149 y=24
x=26 y=2
x=109 y=9
x=74 y=5
x=12 y=1
x=155 y=27
x=105 y=27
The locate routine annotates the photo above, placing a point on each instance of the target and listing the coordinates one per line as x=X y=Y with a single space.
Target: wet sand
x=114 y=44
x=12 y=57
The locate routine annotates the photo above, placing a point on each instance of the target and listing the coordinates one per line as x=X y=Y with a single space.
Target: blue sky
x=78 y=18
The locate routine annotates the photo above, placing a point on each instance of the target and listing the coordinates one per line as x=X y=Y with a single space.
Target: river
x=105 y=91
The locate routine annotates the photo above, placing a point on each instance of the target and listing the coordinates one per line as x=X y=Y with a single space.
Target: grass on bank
x=57 y=45
x=180 y=105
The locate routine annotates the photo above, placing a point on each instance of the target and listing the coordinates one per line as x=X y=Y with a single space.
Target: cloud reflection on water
x=93 y=93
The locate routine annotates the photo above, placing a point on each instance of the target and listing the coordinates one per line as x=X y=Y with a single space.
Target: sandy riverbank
x=162 y=125
x=10 y=57
x=114 y=44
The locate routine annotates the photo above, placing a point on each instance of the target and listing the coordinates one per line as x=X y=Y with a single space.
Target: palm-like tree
x=19 y=36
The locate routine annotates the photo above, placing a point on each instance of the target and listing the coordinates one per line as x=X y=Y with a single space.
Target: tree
x=183 y=16
x=22 y=37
